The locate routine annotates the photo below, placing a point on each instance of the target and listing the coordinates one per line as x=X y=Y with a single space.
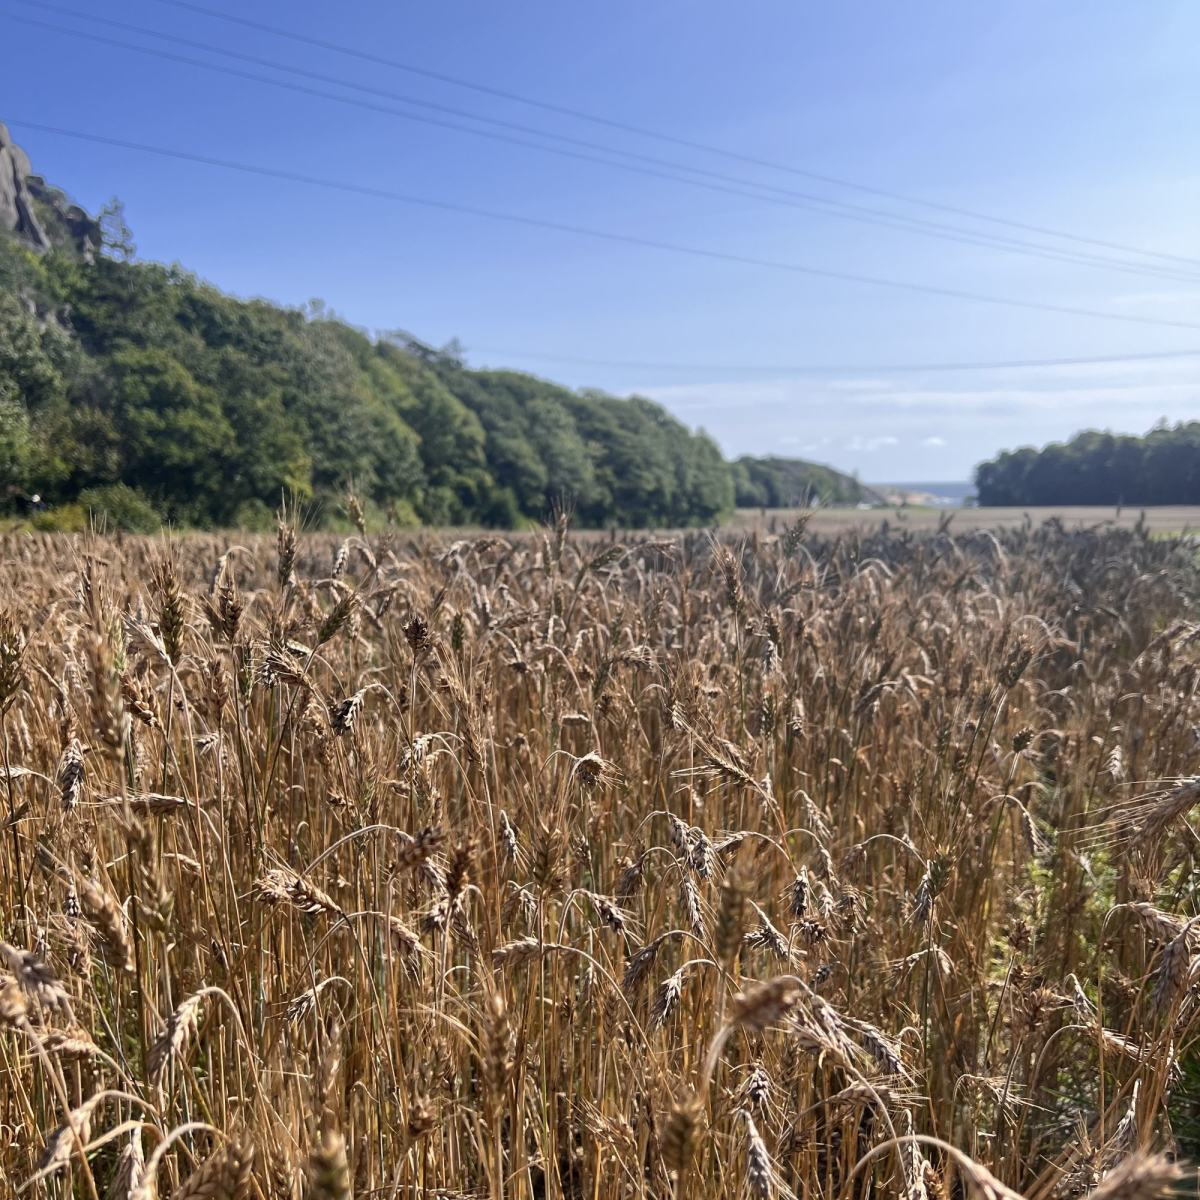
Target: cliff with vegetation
x=135 y=389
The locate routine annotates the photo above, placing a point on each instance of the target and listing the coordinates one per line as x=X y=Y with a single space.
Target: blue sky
x=1082 y=116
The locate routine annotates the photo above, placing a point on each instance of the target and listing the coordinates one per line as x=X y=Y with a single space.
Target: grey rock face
x=17 y=214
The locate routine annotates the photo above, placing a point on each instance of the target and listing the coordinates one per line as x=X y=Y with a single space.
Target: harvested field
x=827 y=866
x=1167 y=519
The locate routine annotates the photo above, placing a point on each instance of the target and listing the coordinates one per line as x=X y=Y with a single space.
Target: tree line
x=792 y=483
x=137 y=389
x=1163 y=467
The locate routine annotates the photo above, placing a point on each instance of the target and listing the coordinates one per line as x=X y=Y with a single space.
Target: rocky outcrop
x=40 y=216
x=17 y=211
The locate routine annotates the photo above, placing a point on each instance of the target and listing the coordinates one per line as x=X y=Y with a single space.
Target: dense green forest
x=136 y=390
x=1098 y=468
x=135 y=387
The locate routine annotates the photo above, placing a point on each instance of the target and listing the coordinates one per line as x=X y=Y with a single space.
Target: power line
x=841 y=368
x=782 y=196
x=657 y=135
x=604 y=235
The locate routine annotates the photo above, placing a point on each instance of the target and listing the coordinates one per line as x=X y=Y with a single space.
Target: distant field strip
x=1167 y=519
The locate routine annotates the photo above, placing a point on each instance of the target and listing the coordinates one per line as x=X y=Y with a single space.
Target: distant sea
x=940 y=492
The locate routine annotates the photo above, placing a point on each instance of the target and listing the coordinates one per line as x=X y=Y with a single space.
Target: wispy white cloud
x=868 y=445
x=975 y=415
x=860 y=385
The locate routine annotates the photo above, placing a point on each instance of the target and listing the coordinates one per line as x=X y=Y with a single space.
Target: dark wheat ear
x=130 y=1171
x=33 y=977
x=681 y=1133
x=522 y=950
x=499 y=1048
x=762 y=1178
x=689 y=901
x=328 y=1169
x=70 y=774
x=641 y=962
x=764 y=936
x=106 y=915
x=71 y=1134
x=344 y=714
x=765 y=1004
x=281 y=885
x=666 y=999
x=286 y=546
x=1148 y=817
x=176 y=1032
x=1141 y=1176
x=226 y=1175
x=419 y=848
x=731 y=911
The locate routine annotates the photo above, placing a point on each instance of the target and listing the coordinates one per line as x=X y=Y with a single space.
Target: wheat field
x=552 y=866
